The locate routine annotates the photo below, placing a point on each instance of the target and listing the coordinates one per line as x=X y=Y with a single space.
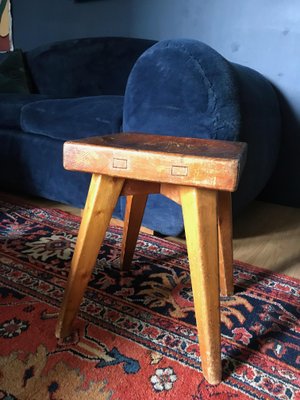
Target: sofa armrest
x=185 y=88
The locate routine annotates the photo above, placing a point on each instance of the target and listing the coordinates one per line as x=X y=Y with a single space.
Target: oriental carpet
x=135 y=337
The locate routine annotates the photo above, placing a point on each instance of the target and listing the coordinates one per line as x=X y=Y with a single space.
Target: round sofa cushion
x=183 y=87
x=74 y=118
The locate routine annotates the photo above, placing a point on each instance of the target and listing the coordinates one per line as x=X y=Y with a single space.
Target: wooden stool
x=198 y=174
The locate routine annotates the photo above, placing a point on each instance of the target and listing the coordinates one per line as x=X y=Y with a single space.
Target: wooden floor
x=268 y=235
x=265 y=235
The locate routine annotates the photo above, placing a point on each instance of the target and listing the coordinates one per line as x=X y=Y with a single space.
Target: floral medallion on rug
x=135 y=337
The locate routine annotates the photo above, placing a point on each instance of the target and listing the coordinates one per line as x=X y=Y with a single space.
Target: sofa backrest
x=84 y=67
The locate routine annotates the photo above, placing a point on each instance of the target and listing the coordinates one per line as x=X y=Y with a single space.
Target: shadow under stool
x=196 y=173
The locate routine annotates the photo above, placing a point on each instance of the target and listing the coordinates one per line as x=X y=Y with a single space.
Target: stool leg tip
x=61 y=332
x=213 y=377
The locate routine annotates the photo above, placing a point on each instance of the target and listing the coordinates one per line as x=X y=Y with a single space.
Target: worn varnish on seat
x=212 y=164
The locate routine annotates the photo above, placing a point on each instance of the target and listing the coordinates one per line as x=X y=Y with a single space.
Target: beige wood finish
x=102 y=198
x=199 y=207
x=185 y=161
x=135 y=206
x=197 y=170
x=225 y=243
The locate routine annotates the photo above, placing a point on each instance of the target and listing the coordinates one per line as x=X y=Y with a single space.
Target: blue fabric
x=176 y=87
x=11 y=105
x=188 y=87
x=40 y=173
x=66 y=119
x=13 y=74
x=185 y=88
x=260 y=129
x=84 y=67
x=32 y=162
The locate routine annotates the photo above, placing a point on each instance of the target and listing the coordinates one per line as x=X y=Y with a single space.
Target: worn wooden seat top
x=204 y=163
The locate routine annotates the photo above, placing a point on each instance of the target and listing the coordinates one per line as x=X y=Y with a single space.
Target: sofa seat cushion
x=11 y=105
x=74 y=118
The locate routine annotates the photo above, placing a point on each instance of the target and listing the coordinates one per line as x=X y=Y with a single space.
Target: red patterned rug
x=136 y=336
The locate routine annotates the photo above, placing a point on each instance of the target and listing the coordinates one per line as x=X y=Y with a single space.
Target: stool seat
x=212 y=164
x=200 y=175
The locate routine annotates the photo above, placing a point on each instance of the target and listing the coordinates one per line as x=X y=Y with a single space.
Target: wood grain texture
x=102 y=198
x=132 y=187
x=199 y=208
x=186 y=161
x=171 y=191
x=225 y=243
x=135 y=206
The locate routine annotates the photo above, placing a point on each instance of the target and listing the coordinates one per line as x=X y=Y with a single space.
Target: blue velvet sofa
x=97 y=86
